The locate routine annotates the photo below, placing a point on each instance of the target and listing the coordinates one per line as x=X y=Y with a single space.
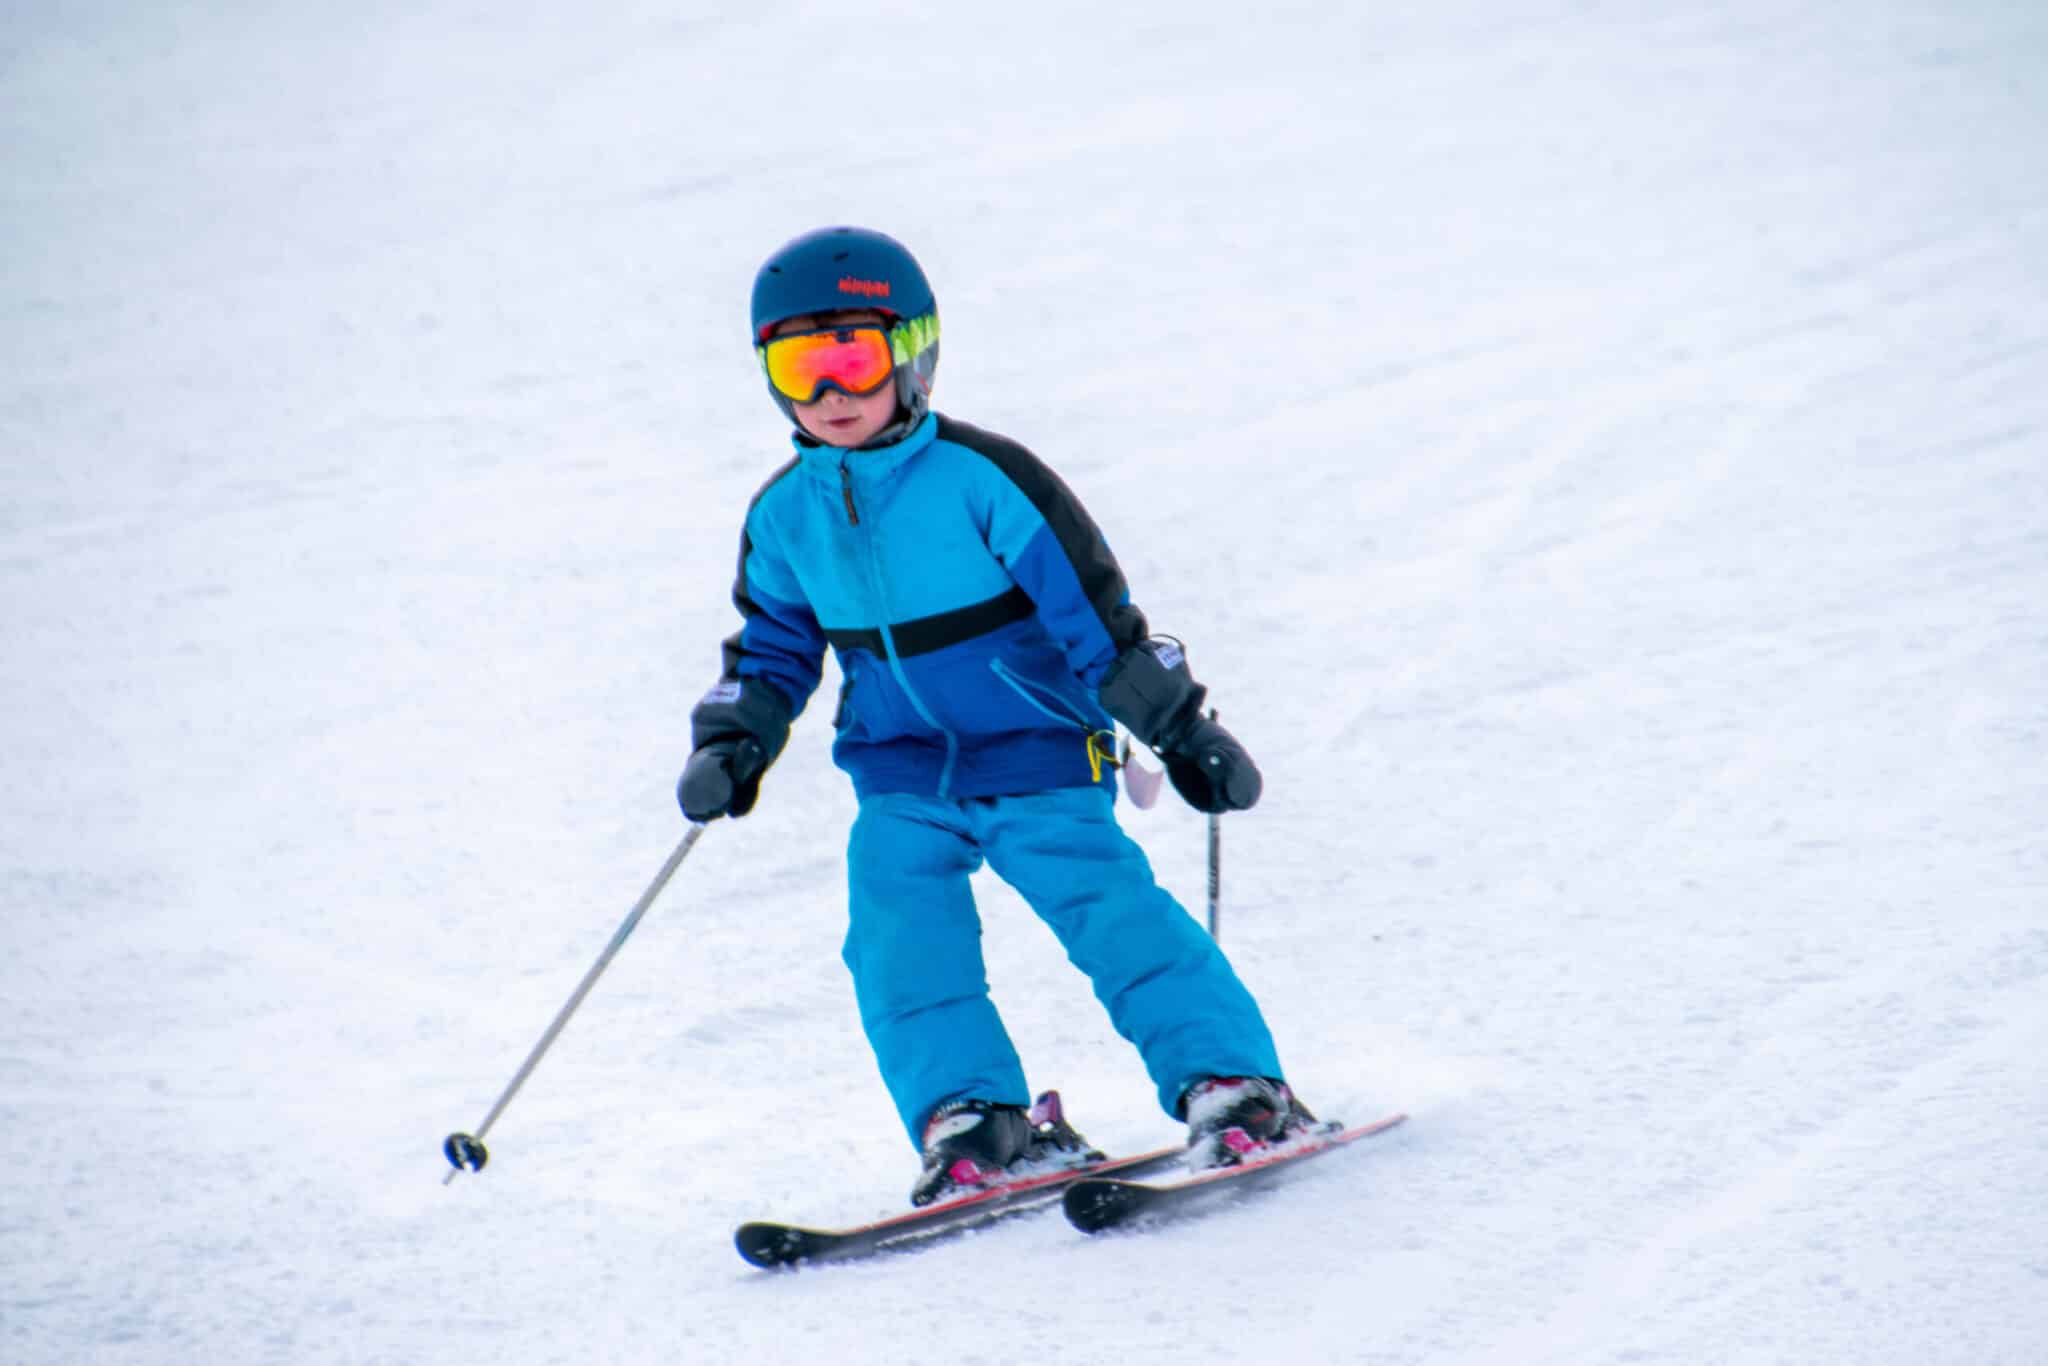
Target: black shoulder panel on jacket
x=740 y=597
x=1101 y=578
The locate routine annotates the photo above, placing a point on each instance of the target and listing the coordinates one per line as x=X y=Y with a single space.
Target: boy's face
x=835 y=418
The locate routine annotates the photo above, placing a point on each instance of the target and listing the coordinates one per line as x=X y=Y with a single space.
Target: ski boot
x=970 y=1145
x=1232 y=1118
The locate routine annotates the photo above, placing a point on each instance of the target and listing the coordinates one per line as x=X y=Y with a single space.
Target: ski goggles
x=854 y=360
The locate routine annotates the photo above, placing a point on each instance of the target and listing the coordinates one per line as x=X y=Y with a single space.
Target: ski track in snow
x=1599 y=461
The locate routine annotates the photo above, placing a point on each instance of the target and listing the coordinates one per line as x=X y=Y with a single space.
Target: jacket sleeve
x=1050 y=545
x=779 y=642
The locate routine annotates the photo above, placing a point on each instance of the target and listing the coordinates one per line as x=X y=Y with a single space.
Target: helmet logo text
x=872 y=289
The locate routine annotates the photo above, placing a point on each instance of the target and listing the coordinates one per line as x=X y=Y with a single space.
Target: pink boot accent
x=1238 y=1141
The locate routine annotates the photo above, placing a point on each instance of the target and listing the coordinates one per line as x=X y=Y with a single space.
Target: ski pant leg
x=1167 y=986
x=913 y=945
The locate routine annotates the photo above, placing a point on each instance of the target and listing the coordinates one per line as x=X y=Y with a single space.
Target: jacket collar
x=866 y=464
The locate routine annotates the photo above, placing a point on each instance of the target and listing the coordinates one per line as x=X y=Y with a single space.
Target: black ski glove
x=1150 y=690
x=737 y=729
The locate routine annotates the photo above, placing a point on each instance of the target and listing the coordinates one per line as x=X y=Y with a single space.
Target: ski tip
x=771 y=1245
x=1093 y=1206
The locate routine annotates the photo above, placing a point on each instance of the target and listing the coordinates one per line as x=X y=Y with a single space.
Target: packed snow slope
x=1597 y=454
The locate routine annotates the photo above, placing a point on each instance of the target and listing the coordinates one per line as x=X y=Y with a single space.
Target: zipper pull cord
x=1102 y=753
x=846 y=489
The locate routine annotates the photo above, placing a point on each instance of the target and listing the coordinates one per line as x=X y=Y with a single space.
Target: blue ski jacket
x=971 y=601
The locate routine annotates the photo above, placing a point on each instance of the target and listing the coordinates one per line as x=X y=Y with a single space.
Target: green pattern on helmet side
x=910 y=338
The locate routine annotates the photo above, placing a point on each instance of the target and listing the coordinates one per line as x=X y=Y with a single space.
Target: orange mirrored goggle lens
x=855 y=360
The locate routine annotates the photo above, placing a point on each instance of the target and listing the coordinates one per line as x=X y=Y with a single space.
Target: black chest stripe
x=1078 y=536
x=936 y=632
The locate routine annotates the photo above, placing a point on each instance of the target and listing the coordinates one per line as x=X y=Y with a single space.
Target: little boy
x=987 y=642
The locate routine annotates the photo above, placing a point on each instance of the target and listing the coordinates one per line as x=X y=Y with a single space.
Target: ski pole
x=1215 y=863
x=467 y=1150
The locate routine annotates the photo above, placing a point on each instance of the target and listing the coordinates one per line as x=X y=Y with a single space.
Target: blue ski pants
x=913 y=944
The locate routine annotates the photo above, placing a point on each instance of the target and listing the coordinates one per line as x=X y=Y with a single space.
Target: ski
x=1102 y=1200
x=768 y=1244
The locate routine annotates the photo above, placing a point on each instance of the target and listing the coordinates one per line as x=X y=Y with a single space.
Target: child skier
x=986 y=639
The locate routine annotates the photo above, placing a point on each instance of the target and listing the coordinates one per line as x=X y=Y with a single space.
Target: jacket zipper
x=890 y=657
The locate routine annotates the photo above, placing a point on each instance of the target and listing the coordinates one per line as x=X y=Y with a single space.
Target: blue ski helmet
x=833 y=269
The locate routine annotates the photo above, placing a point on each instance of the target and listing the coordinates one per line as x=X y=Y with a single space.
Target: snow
x=1598 y=456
